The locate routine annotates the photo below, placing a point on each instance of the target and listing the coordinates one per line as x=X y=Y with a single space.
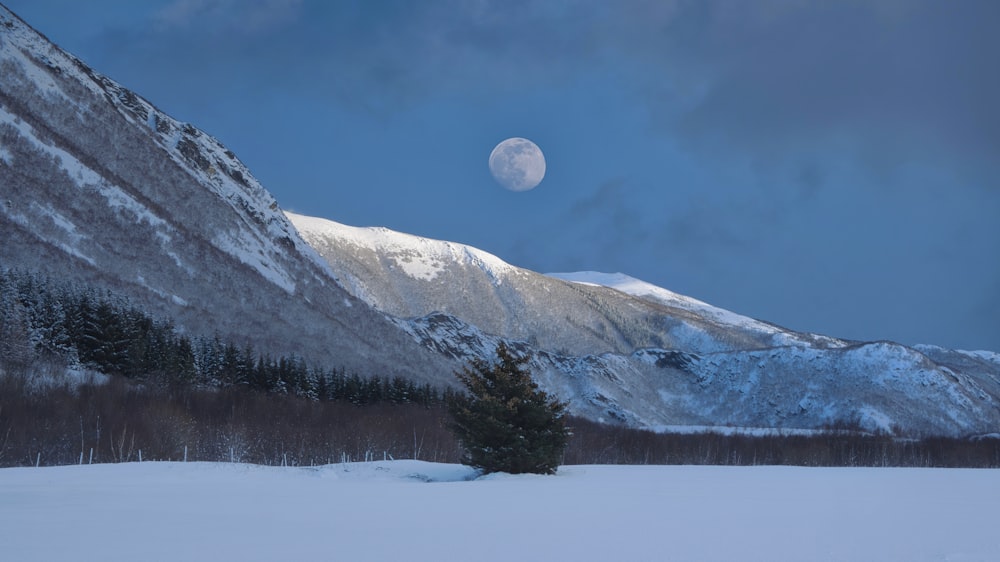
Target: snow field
x=413 y=510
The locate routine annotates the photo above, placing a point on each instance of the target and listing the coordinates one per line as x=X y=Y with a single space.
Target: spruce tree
x=505 y=422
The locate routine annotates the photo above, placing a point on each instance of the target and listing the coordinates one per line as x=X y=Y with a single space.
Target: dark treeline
x=168 y=396
x=41 y=319
x=121 y=421
x=595 y=443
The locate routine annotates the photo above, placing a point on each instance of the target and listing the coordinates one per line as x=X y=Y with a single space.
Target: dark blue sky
x=828 y=166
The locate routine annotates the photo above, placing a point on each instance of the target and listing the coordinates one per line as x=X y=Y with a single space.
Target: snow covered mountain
x=100 y=186
x=623 y=350
x=572 y=314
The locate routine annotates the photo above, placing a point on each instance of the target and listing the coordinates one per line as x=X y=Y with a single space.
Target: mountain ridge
x=100 y=186
x=514 y=302
x=710 y=366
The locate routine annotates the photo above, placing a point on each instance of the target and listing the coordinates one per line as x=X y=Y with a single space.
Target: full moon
x=517 y=164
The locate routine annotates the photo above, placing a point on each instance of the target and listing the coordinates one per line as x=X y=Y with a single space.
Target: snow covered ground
x=412 y=510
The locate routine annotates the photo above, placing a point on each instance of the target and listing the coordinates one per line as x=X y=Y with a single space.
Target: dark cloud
x=703 y=231
x=883 y=83
x=604 y=228
x=610 y=195
x=612 y=213
x=227 y=16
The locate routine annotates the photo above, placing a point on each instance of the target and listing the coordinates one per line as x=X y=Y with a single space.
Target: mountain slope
x=625 y=351
x=410 y=276
x=98 y=185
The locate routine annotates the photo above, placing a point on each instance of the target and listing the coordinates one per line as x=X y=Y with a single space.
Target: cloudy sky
x=827 y=166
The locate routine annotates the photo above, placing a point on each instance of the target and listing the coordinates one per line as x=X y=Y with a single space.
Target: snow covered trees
x=506 y=423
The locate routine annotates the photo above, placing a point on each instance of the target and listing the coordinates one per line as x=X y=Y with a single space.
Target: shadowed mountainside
x=100 y=187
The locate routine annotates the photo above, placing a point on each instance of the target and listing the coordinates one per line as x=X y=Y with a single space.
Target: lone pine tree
x=505 y=422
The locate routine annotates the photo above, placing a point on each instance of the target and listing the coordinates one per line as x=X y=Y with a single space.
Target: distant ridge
x=624 y=350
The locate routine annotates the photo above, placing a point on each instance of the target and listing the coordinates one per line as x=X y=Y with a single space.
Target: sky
x=831 y=167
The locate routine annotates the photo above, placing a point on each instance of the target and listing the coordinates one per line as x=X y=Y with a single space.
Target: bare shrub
x=112 y=422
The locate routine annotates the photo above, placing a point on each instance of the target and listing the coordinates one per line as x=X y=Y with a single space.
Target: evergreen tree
x=107 y=340
x=180 y=365
x=231 y=370
x=505 y=422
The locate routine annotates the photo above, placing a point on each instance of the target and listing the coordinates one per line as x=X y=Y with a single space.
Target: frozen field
x=411 y=510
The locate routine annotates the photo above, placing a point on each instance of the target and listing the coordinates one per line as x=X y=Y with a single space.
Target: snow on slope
x=635 y=287
x=99 y=187
x=410 y=276
x=418 y=258
x=622 y=350
x=412 y=510
x=878 y=386
x=30 y=62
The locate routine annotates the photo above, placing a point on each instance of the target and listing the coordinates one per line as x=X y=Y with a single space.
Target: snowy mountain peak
x=647 y=291
x=100 y=187
x=64 y=84
x=638 y=288
x=624 y=350
x=418 y=257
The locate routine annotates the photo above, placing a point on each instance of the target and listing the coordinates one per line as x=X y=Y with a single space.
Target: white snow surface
x=259 y=246
x=983 y=354
x=418 y=257
x=414 y=510
x=641 y=289
x=638 y=288
x=83 y=175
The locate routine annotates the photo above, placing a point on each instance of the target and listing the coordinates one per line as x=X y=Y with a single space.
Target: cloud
x=780 y=82
x=227 y=15
x=602 y=229
x=887 y=84
x=783 y=82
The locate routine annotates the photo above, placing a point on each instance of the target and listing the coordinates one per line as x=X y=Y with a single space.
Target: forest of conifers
x=84 y=329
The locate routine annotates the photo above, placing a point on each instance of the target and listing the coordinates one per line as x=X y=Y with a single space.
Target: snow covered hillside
x=411 y=276
x=412 y=510
x=637 y=288
x=100 y=187
x=625 y=351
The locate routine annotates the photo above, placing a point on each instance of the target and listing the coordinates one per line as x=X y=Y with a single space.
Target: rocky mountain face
x=409 y=276
x=626 y=351
x=99 y=186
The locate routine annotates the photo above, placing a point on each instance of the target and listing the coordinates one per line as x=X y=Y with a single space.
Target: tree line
x=202 y=398
x=81 y=327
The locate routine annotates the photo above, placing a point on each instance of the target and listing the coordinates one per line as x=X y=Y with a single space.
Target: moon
x=517 y=164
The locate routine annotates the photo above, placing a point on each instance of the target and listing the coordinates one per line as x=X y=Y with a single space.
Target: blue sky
x=827 y=166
